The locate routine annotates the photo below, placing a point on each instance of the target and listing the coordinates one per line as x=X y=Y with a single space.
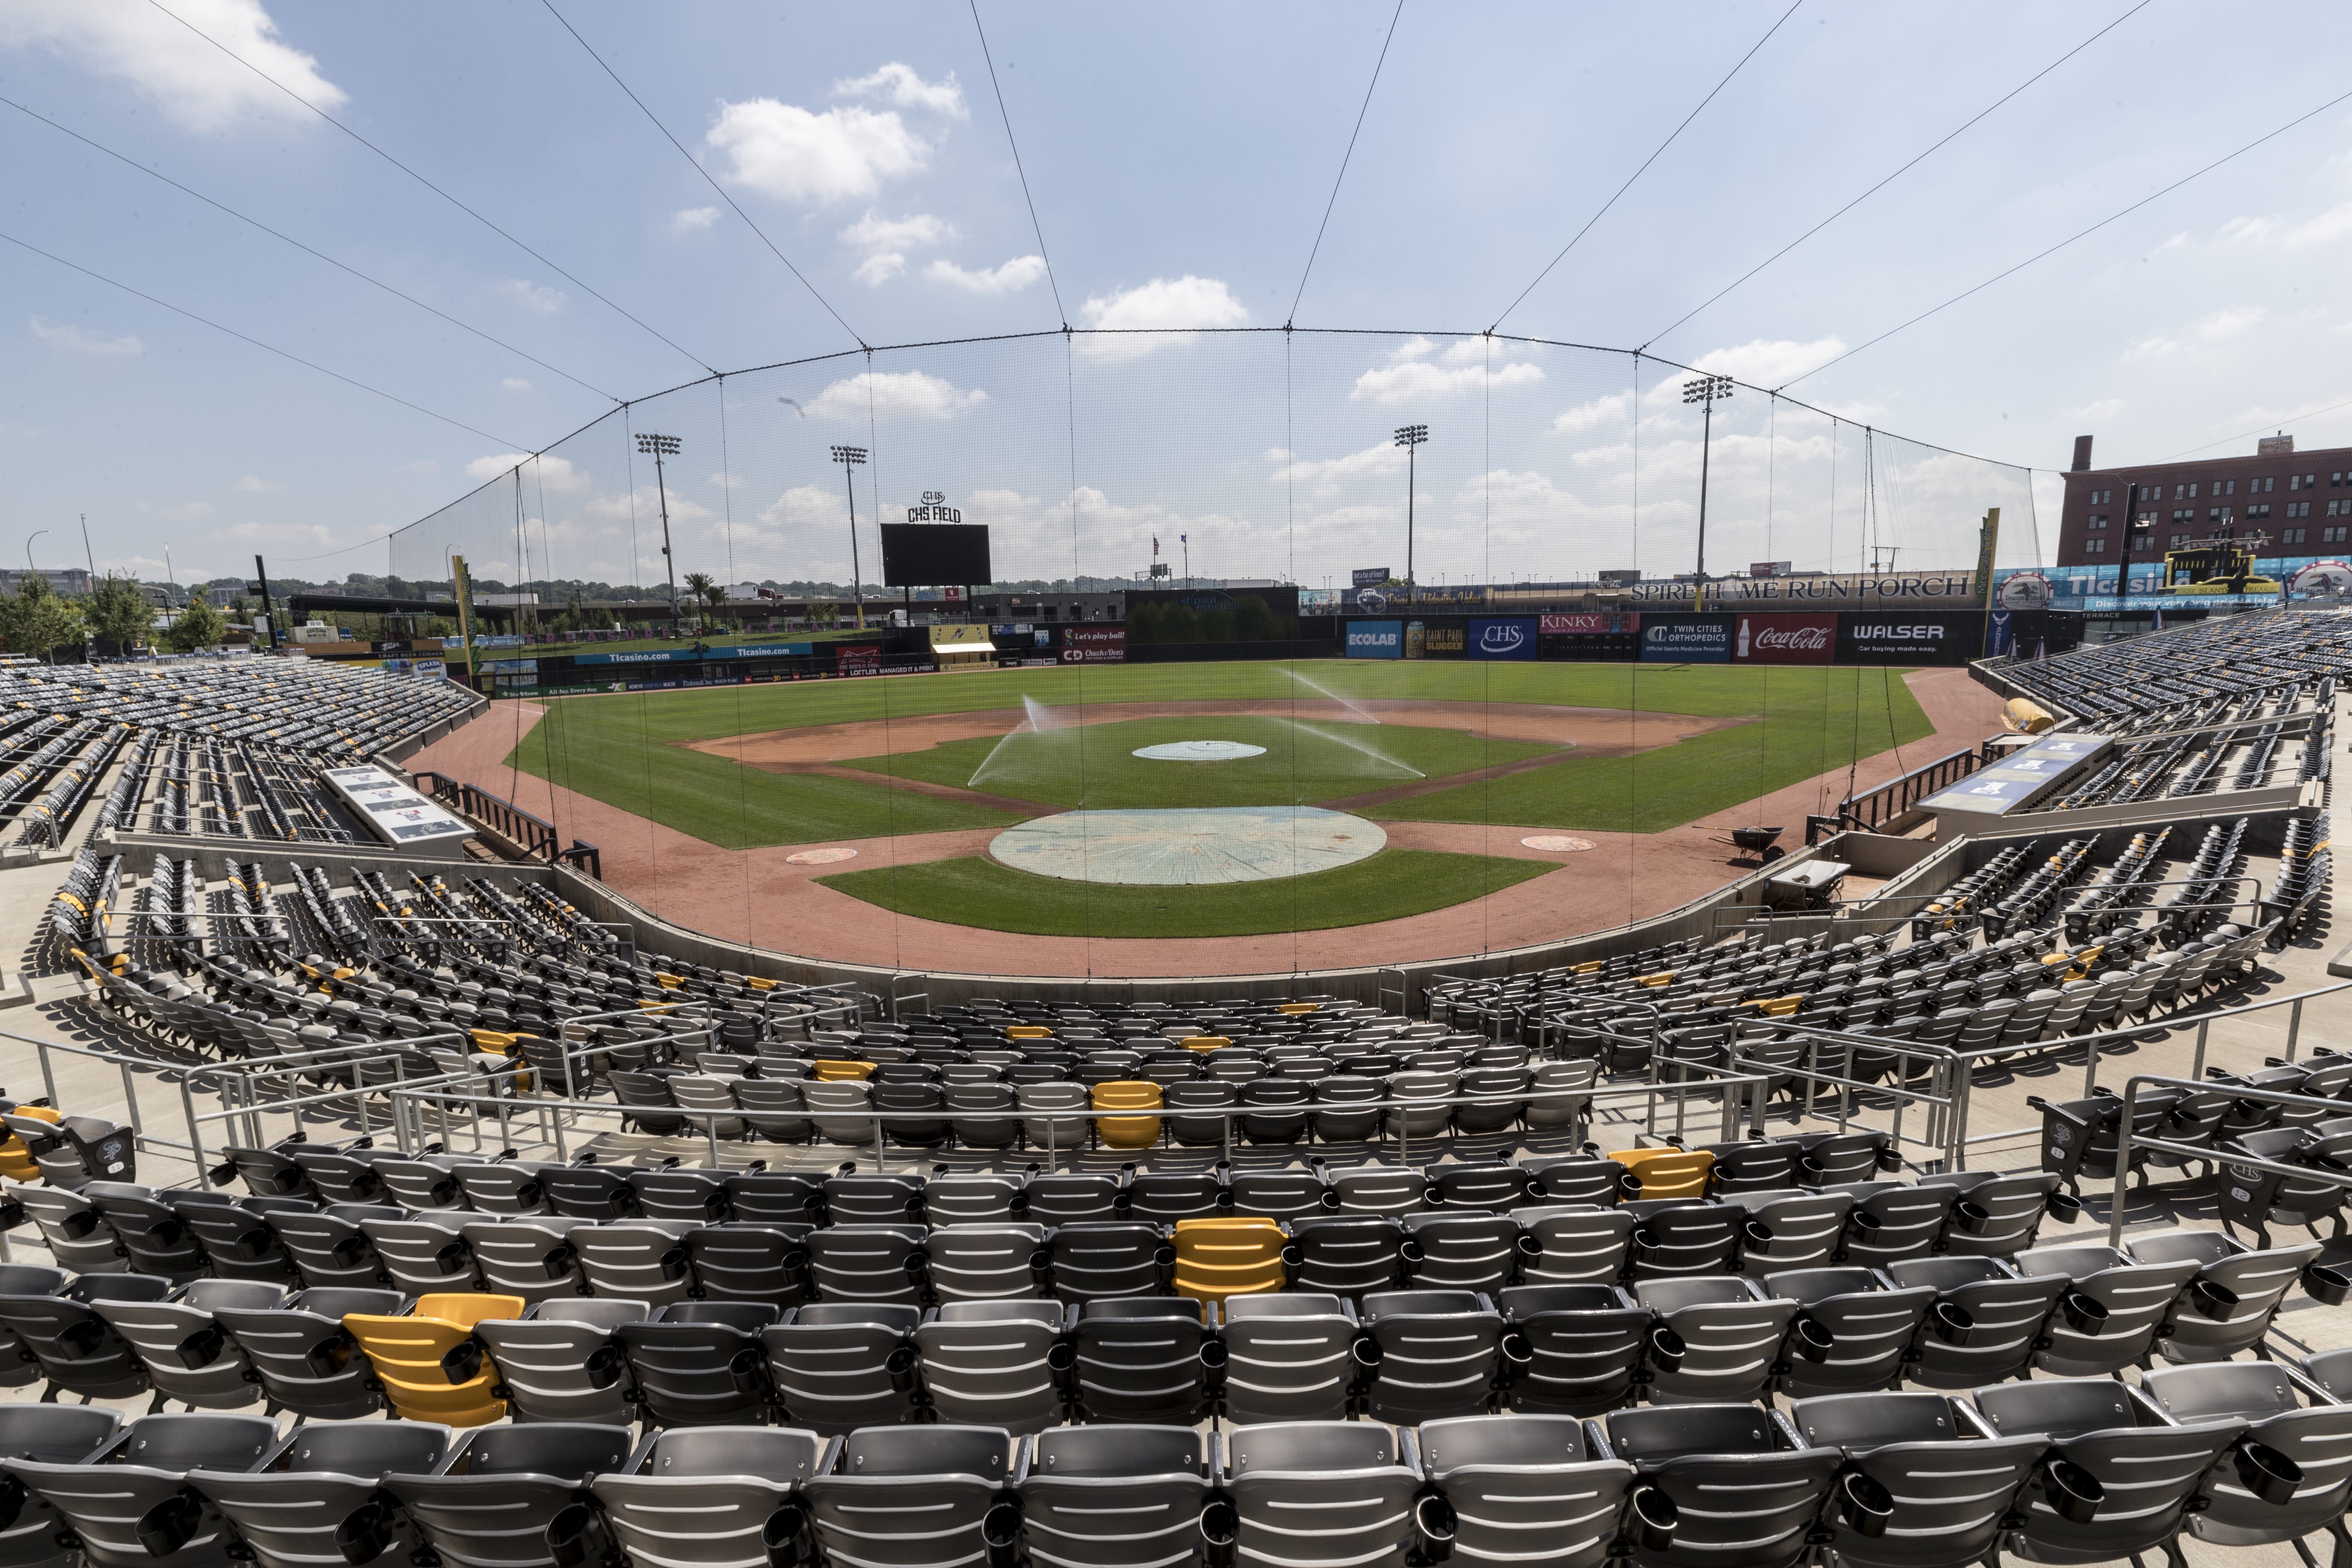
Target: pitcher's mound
x=1187 y=846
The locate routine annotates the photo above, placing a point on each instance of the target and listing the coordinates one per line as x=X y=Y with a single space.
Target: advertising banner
x=1369 y=576
x=1375 y=639
x=862 y=658
x=1513 y=638
x=643 y=655
x=1856 y=591
x=1589 y=623
x=1997 y=632
x=1425 y=640
x=1910 y=636
x=1785 y=639
x=1690 y=639
x=1094 y=645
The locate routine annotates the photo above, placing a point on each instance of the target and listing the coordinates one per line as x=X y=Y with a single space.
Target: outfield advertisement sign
x=1513 y=638
x=1688 y=639
x=1785 y=639
x=1375 y=639
x=1589 y=623
x=1094 y=645
x=1910 y=636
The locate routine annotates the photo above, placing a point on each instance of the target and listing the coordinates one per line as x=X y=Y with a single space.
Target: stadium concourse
x=1621 y=877
x=367 y=1206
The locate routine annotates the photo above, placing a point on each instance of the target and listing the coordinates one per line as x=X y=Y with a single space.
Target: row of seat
x=2078 y=1470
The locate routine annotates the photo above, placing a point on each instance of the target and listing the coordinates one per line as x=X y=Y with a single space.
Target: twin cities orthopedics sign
x=1856 y=591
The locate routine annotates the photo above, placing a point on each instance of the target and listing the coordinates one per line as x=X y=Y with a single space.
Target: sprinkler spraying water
x=1325 y=692
x=1355 y=745
x=1036 y=719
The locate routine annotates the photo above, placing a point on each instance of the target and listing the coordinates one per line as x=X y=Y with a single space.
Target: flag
x=1183 y=539
x=1155 y=544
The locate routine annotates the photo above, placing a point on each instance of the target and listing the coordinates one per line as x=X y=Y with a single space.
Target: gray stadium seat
x=1289 y=1357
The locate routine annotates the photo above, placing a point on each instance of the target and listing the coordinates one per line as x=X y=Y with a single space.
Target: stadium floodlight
x=1705 y=391
x=658 y=447
x=849 y=457
x=1409 y=436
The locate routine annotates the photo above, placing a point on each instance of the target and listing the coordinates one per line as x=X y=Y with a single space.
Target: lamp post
x=2131 y=519
x=1705 y=390
x=1409 y=436
x=29 y=570
x=661 y=446
x=850 y=458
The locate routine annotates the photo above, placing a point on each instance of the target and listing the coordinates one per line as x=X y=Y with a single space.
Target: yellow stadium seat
x=1027 y=1032
x=833 y=1070
x=1668 y=1172
x=1205 y=1042
x=1127 y=1132
x=419 y=1358
x=1240 y=1255
x=1295 y=1008
x=16 y=1161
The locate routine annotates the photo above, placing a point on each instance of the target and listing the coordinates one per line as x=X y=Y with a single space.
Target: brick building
x=2299 y=503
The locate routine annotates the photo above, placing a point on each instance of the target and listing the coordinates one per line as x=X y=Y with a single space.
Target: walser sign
x=1909 y=636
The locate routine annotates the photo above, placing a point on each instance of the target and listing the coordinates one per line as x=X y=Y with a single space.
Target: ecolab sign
x=1785 y=639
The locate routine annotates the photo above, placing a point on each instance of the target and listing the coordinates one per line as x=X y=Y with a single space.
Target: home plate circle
x=1198 y=751
x=820 y=856
x=1556 y=843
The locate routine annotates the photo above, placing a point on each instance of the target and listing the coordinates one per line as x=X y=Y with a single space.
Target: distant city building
x=70 y=581
x=2300 y=504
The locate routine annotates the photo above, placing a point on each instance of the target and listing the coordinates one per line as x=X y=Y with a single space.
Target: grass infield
x=978 y=892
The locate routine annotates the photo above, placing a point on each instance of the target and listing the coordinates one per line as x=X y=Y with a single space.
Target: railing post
x=2123 y=1162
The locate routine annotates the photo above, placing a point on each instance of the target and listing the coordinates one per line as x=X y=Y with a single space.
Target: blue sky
x=1179 y=161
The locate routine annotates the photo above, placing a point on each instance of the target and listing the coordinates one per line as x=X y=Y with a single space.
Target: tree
x=33 y=619
x=118 y=612
x=198 y=626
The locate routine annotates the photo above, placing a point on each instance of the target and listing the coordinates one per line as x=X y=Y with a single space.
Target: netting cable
x=257 y=342
x=1006 y=115
x=1316 y=249
x=742 y=772
x=707 y=177
x=2070 y=239
x=1905 y=168
x=420 y=179
x=1637 y=173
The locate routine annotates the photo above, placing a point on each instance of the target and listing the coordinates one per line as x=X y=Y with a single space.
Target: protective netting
x=1545 y=463
x=1264 y=456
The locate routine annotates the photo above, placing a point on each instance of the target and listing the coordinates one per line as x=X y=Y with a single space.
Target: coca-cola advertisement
x=1094 y=645
x=1784 y=639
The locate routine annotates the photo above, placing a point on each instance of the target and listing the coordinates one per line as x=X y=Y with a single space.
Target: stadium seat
x=1116 y=1497
x=48 y=1435
x=562 y=1361
x=838 y=1366
x=1513 y=1479
x=2109 y=1315
x=290 y=1512
x=306 y=1361
x=77 y=1234
x=750 y=1261
x=2285 y=1418
x=1949 y=1480
x=916 y=1497
x=869 y=1263
x=1738 y=1497
x=490 y=1502
x=430 y=1364
x=1987 y=1323
x=128 y=1502
x=1721 y=1340
x=1666 y=1172
x=1237 y=1255
x=737 y=1484
x=700 y=1363
x=1575 y=1350
x=77 y=1351
x=1323 y=1494
x=187 y=1354
x=1289 y=1357
x=636 y=1260
x=2227 y=1305
x=1433 y=1354
x=1867 y=1324
x=1004 y=1360
x=1127 y=1132
x=979 y=1262
x=1149 y=1358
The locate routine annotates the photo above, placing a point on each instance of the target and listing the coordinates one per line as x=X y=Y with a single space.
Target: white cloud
x=644 y=504
x=785 y=150
x=688 y=220
x=252 y=486
x=1416 y=378
x=2153 y=348
x=1771 y=362
x=555 y=474
x=532 y=296
x=2333 y=224
x=875 y=232
x=902 y=85
x=908 y=392
x=2229 y=323
x=880 y=269
x=1324 y=477
x=186 y=511
x=76 y=341
x=2097 y=413
x=1013 y=276
x=196 y=84
x=805 y=506
x=1609 y=410
x=1171 y=307
x=515 y=383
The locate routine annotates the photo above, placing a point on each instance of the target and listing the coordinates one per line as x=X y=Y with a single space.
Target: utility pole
x=1411 y=436
x=86 y=555
x=1705 y=390
x=850 y=458
x=661 y=446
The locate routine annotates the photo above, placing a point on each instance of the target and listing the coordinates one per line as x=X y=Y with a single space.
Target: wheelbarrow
x=1758 y=841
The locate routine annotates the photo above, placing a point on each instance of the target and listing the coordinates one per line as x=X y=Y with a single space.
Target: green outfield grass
x=1305 y=761
x=1389 y=886
x=621 y=748
x=1810 y=721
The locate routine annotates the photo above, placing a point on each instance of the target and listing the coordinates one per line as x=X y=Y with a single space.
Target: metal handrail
x=536 y=836
x=1727 y=1083
x=1899 y=795
x=2125 y=1140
